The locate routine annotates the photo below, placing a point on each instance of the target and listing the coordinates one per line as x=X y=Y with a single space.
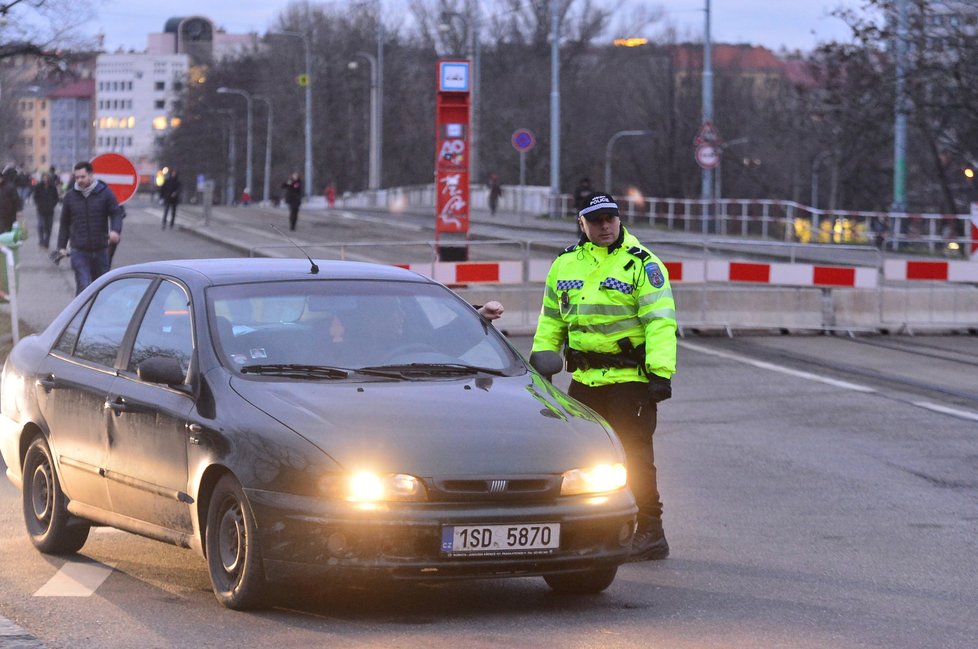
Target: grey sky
x=796 y=24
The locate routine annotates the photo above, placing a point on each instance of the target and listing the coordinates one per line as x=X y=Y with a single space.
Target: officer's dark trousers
x=620 y=404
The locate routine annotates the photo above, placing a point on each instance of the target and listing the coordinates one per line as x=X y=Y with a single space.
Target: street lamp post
x=266 y=193
x=308 y=87
x=373 y=179
x=607 y=154
x=232 y=154
x=249 y=148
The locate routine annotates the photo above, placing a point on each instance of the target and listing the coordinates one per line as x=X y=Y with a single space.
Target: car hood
x=512 y=425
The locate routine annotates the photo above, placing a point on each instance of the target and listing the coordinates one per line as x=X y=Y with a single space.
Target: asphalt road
x=819 y=492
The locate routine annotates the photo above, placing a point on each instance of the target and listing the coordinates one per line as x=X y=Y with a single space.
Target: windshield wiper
x=297 y=371
x=454 y=369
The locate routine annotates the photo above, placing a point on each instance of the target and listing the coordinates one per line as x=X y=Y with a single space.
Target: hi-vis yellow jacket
x=596 y=296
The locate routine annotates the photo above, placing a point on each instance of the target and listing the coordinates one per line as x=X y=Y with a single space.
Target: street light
x=554 y=107
x=607 y=154
x=308 y=85
x=373 y=180
x=472 y=38
x=232 y=154
x=266 y=194
x=816 y=163
x=249 y=177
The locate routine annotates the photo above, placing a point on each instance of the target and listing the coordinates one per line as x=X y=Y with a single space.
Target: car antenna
x=314 y=269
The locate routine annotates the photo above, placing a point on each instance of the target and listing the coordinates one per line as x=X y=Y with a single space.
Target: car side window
x=166 y=328
x=66 y=344
x=107 y=321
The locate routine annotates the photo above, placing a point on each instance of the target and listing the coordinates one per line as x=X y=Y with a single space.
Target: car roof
x=237 y=270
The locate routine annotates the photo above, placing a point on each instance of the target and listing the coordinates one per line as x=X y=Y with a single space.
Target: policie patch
x=655 y=274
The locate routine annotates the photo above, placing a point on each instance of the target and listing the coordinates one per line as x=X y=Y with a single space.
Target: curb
x=14 y=637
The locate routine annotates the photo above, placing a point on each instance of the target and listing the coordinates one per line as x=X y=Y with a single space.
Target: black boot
x=649 y=543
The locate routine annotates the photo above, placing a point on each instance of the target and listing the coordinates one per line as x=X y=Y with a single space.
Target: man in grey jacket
x=90 y=219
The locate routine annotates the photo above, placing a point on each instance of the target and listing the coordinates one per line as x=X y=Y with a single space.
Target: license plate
x=533 y=538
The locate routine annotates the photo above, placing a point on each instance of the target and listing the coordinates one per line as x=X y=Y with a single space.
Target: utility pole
x=707 y=177
x=902 y=109
x=554 y=109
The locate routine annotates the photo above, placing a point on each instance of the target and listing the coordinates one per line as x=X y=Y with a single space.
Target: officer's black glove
x=660 y=389
x=547 y=363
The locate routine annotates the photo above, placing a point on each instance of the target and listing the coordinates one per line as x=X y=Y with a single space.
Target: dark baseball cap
x=599 y=204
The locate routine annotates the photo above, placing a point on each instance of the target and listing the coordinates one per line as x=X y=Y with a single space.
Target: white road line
x=76 y=579
x=777 y=368
x=954 y=412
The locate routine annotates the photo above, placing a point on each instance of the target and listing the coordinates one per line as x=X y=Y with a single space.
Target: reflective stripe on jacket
x=595 y=297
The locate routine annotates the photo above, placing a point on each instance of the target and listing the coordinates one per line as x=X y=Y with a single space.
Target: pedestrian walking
x=495 y=191
x=11 y=204
x=608 y=301
x=46 y=197
x=170 y=193
x=91 y=219
x=293 y=197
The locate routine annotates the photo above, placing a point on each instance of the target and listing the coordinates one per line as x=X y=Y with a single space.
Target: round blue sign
x=523 y=140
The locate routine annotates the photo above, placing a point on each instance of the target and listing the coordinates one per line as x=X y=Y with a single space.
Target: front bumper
x=301 y=536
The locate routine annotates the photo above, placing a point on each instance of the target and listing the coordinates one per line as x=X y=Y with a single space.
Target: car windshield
x=341 y=326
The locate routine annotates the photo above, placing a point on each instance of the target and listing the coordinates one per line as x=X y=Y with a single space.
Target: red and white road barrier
x=470 y=272
x=680 y=272
x=939 y=271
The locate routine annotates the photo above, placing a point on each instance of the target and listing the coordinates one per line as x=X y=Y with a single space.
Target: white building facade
x=138 y=95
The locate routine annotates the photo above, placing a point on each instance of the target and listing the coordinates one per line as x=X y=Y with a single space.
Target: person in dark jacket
x=46 y=198
x=90 y=219
x=170 y=193
x=293 y=197
x=11 y=205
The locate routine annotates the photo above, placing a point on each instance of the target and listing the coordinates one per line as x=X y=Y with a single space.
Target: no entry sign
x=118 y=173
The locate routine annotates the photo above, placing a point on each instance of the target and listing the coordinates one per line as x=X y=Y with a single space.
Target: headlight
x=593 y=480
x=368 y=487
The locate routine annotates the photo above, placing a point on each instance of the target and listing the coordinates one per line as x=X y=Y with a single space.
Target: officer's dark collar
x=615 y=245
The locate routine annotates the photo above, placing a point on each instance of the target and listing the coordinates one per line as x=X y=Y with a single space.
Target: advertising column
x=452 y=161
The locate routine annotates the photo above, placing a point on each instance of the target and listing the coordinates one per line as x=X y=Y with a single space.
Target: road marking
x=76 y=579
x=116 y=179
x=954 y=412
x=778 y=368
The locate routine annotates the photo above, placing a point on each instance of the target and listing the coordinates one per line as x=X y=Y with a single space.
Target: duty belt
x=581 y=360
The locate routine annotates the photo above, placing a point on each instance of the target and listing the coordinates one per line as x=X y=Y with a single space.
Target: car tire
x=52 y=529
x=233 y=553
x=588 y=582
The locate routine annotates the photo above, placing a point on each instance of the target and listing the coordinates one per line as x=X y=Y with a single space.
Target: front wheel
x=233 y=555
x=52 y=529
x=582 y=583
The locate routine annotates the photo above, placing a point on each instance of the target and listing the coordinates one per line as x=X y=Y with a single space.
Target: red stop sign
x=118 y=173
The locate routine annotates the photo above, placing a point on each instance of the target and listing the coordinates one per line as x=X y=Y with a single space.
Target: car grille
x=494 y=488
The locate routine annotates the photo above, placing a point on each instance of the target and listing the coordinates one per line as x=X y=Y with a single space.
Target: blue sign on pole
x=523 y=140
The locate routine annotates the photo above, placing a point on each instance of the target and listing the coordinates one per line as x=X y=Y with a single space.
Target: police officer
x=609 y=301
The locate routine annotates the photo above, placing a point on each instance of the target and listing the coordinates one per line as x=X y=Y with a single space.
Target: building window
x=177 y=86
x=159 y=123
x=160 y=85
x=159 y=103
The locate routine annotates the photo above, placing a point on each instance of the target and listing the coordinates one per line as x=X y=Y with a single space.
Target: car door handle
x=47 y=382
x=118 y=406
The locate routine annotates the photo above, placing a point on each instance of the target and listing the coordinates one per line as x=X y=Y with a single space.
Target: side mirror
x=547 y=363
x=161 y=369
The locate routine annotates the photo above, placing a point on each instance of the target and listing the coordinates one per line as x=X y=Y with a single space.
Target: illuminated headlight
x=593 y=480
x=368 y=487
